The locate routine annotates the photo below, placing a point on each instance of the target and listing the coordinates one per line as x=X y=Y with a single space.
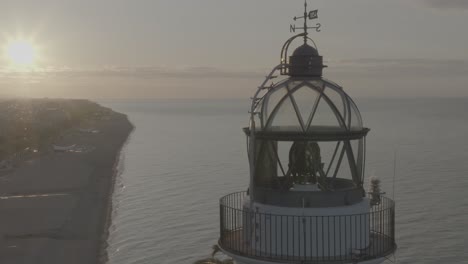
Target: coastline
x=103 y=254
x=57 y=205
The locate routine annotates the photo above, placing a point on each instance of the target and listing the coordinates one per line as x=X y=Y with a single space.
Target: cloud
x=365 y=67
x=363 y=77
x=139 y=72
x=415 y=67
x=377 y=77
x=462 y=4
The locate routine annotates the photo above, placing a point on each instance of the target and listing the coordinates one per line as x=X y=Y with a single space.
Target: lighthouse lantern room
x=306 y=201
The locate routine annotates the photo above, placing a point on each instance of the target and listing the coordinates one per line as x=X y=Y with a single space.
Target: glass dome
x=306 y=133
x=306 y=139
x=307 y=106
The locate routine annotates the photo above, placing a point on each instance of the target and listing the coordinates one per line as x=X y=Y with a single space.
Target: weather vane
x=307 y=15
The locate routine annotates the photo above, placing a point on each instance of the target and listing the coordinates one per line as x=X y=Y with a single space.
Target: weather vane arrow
x=307 y=16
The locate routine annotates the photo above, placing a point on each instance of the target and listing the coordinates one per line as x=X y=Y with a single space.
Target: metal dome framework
x=307 y=109
x=295 y=92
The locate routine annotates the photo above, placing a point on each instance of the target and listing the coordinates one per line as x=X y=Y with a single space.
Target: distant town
x=30 y=127
x=57 y=164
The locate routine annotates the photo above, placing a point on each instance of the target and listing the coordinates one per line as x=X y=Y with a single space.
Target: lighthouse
x=306 y=145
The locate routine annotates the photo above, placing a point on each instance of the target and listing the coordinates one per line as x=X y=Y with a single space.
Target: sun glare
x=20 y=53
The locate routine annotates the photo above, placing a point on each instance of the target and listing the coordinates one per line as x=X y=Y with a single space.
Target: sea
x=185 y=154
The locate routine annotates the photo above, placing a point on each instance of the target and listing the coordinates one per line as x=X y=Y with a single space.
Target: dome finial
x=305 y=22
x=307 y=15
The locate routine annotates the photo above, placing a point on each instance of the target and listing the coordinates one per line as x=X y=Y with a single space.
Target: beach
x=55 y=206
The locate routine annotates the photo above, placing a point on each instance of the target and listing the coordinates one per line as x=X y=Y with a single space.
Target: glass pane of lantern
x=266 y=162
x=284 y=118
x=306 y=98
x=337 y=98
x=330 y=155
x=344 y=171
x=258 y=121
x=317 y=84
x=327 y=150
x=283 y=156
x=324 y=117
x=356 y=121
x=358 y=151
x=273 y=100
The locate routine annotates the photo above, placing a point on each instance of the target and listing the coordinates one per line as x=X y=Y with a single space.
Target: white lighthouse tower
x=306 y=145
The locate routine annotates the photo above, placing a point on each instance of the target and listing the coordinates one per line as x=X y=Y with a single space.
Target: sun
x=20 y=52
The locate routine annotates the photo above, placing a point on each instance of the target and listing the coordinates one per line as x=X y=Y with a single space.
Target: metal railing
x=306 y=239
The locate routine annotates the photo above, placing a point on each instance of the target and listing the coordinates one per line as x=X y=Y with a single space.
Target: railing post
x=221 y=223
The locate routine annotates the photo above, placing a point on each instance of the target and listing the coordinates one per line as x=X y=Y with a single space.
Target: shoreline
x=57 y=204
x=103 y=254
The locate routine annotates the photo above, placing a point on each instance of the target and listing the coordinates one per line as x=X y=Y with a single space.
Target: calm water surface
x=185 y=154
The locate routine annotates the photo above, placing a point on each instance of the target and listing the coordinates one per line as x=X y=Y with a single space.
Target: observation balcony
x=306 y=239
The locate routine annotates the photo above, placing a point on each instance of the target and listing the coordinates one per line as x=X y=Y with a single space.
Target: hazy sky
x=220 y=48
